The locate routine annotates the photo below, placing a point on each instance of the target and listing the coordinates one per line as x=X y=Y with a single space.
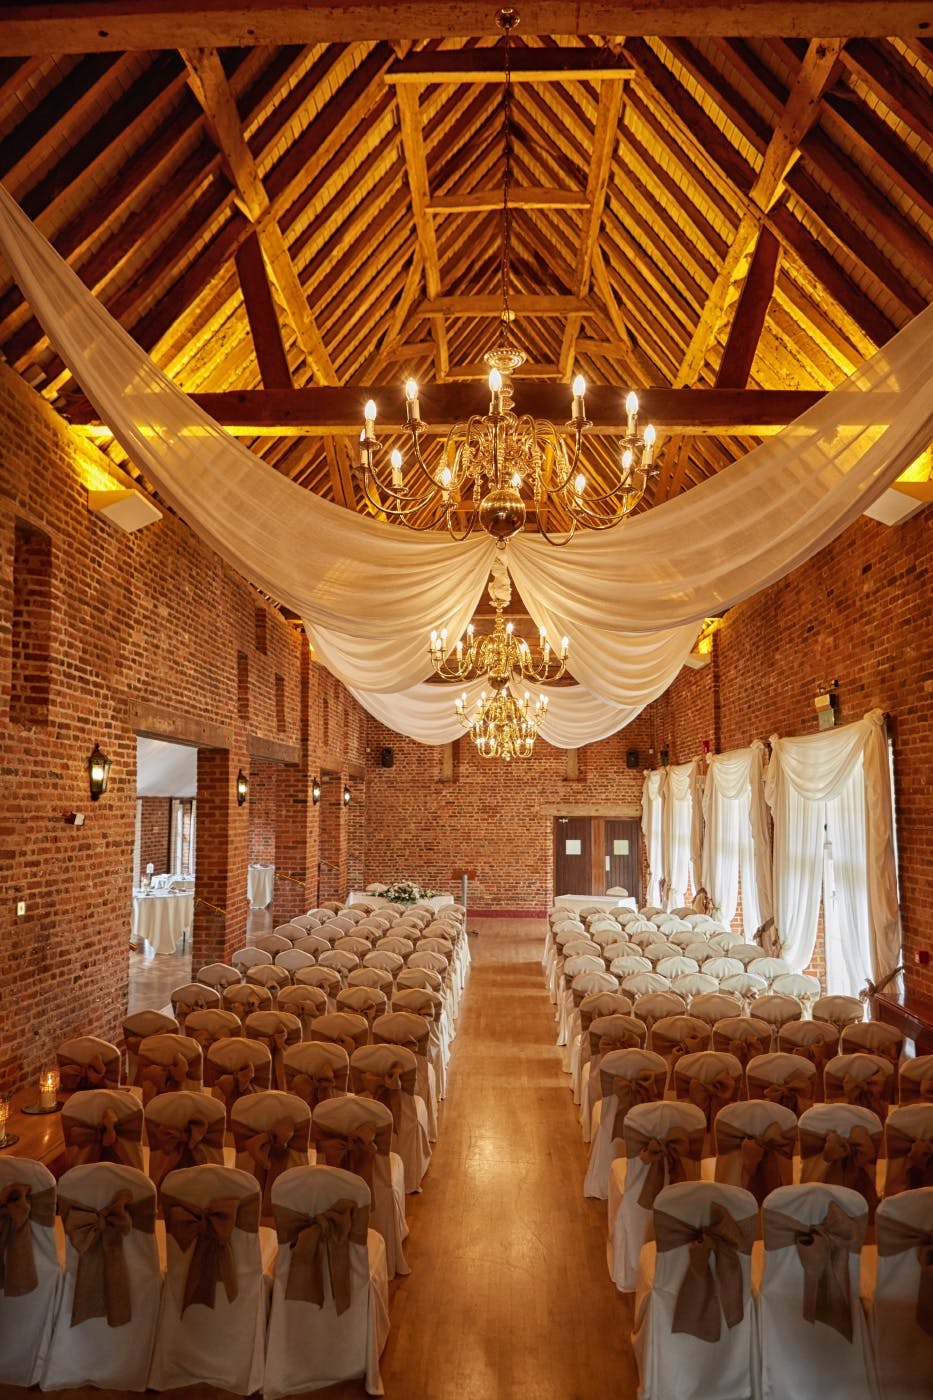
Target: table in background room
x=162 y=918
x=435 y=902
x=260 y=880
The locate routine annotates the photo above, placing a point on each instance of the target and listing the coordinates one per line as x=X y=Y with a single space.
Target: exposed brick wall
x=154 y=820
x=151 y=622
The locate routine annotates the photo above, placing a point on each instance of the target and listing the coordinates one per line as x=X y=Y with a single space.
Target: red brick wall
x=152 y=619
x=154 y=818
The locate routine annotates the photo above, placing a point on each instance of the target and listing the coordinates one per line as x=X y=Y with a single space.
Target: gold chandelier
x=500 y=725
x=498 y=469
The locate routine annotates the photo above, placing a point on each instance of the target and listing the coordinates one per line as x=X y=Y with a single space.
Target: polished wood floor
x=509 y=1296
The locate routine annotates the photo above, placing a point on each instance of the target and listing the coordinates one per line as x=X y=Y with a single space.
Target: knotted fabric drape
x=629 y=600
x=840 y=779
x=736 y=843
x=652 y=815
x=679 y=829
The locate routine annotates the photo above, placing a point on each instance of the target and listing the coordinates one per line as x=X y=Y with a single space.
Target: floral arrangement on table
x=405 y=892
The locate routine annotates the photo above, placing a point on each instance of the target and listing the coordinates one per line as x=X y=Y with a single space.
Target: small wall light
x=315 y=790
x=98 y=772
x=242 y=788
x=346 y=796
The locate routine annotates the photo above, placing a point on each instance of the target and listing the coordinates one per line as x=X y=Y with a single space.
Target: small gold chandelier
x=500 y=725
x=501 y=468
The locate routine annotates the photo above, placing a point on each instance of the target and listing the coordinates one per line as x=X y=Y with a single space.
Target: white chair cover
x=755 y=1143
x=211 y=1025
x=29 y=1269
x=412 y=1030
x=193 y=996
x=694 y=984
x=788 y=1080
x=715 y=1006
x=839 y=1146
x=307 y=1003
x=168 y=1062
x=771 y=968
x=316 y=1070
x=212 y=1320
x=915 y=1080
x=663 y=1144
x=840 y=1011
x=271 y=1133
x=629 y=1077
x=867 y=1080
x=87 y=1062
x=316 y=1344
x=675 y=1295
x=387 y=1074
x=720 y=967
x=250 y=957
x=135 y=1029
x=656 y=1005
x=184 y=1129
x=103 y=1125
x=873 y=1038
x=358 y=1130
x=617 y=1031
x=903 y=1347
x=104 y=1336
x=908 y=1143
x=826 y=1352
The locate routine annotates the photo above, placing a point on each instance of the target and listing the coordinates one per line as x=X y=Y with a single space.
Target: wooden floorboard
x=509 y=1297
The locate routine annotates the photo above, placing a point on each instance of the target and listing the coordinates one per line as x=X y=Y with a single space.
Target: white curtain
x=833 y=790
x=678 y=785
x=369 y=593
x=736 y=845
x=652 y=830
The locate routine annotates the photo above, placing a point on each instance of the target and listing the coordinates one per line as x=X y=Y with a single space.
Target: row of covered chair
x=807 y=1309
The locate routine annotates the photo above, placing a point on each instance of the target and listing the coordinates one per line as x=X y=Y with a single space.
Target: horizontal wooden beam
x=492 y=306
x=108 y=26
x=323 y=410
x=481 y=201
x=527 y=66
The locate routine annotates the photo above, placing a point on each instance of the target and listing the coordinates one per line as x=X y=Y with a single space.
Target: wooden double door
x=594 y=854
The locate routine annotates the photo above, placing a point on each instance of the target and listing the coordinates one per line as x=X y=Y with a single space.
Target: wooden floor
x=509 y=1296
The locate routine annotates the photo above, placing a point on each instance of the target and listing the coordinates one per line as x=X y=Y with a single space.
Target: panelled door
x=594 y=854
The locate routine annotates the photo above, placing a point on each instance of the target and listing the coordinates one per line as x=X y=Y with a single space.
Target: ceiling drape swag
x=629 y=600
x=836 y=785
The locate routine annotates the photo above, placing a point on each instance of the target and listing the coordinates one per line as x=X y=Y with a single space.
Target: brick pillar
x=291 y=844
x=333 y=839
x=222 y=844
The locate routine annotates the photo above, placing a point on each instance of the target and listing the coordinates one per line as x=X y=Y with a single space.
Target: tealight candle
x=48 y=1089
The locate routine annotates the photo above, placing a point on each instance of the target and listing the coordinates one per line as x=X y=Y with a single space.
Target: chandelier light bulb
x=579 y=484
x=396 y=460
x=411 y=389
x=579 y=387
x=495 y=381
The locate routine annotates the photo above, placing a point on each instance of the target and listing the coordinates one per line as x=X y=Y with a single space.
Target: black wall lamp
x=315 y=790
x=98 y=772
x=242 y=788
x=346 y=796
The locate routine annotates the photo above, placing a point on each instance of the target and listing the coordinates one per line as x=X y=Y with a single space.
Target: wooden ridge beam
x=98 y=26
x=325 y=409
x=530 y=197
x=527 y=66
x=492 y=306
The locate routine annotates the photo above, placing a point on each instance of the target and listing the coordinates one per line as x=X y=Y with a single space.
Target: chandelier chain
x=507 y=139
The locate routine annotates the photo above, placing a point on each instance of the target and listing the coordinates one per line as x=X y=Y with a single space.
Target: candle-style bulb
x=411 y=390
x=495 y=381
x=579 y=484
x=369 y=417
x=579 y=387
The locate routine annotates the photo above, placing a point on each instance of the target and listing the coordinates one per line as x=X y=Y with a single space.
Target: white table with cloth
x=260 y=881
x=596 y=901
x=162 y=918
x=435 y=902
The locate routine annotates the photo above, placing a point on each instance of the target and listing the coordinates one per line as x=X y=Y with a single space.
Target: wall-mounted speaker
x=387 y=758
x=631 y=758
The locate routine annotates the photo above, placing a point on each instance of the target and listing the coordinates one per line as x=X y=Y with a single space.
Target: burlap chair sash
x=96 y=1073
x=621 y=1038
x=19 y=1207
x=850 y=1161
x=674 y=1048
x=277 y=1042
x=355 y=1151
x=910 y=1162
x=270 y=1148
x=823 y=1251
x=102 y=1283
x=818 y=1052
x=871 y=1092
x=669 y=1159
x=916 y=1090
x=195 y=1001
x=244 y=1002
x=744 y=1048
x=417 y=1044
x=233 y=1084
x=319 y=1241
x=313 y=1088
x=105 y=1141
x=795 y=1092
x=645 y=1087
x=710 y=1095
x=762 y=1155
x=156 y=1078
x=346 y=1042
x=896 y=1237
x=186 y=1144
x=712 y=1287
x=209 y=1228
x=385 y=1086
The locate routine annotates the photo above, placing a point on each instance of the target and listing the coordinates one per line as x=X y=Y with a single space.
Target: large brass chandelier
x=500 y=724
x=502 y=469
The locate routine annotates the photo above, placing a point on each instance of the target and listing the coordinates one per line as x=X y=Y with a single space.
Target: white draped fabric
x=736 y=845
x=834 y=788
x=677 y=791
x=629 y=600
x=652 y=815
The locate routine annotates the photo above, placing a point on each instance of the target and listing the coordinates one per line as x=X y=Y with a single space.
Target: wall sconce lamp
x=346 y=796
x=98 y=772
x=315 y=790
x=242 y=788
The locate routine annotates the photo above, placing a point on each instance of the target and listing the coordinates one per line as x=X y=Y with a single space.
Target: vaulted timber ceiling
x=299 y=206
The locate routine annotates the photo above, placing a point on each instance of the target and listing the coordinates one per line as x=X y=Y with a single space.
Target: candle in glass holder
x=4 y=1113
x=48 y=1089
